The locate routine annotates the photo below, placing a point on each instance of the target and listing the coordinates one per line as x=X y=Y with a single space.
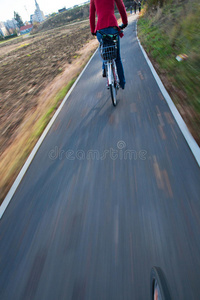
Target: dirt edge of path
x=25 y=138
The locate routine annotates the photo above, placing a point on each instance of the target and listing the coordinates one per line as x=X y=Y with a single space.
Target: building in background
x=8 y=28
x=3 y=30
x=26 y=29
x=11 y=25
x=38 y=16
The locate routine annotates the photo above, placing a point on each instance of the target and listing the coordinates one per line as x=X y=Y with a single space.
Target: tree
x=18 y=19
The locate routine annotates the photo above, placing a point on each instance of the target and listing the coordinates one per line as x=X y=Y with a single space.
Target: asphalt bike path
x=110 y=193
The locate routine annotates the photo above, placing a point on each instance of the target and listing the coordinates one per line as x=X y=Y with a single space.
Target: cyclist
x=107 y=24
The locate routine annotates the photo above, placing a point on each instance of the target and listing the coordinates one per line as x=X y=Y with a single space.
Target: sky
x=25 y=8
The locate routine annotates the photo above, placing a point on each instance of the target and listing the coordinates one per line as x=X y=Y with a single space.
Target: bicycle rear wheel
x=113 y=94
x=113 y=88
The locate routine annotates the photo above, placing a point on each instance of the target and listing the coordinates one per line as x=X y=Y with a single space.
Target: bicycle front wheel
x=158 y=285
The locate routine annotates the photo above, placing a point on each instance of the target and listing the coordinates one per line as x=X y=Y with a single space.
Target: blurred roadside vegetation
x=167 y=29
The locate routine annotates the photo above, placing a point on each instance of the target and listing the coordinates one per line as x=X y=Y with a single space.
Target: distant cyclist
x=107 y=23
x=135 y=6
x=139 y=6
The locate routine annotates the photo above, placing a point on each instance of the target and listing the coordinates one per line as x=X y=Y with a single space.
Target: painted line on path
x=25 y=167
x=183 y=127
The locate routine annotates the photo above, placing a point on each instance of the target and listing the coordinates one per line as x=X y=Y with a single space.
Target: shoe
x=122 y=84
x=104 y=73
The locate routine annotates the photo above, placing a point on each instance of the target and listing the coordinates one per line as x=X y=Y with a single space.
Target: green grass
x=23 y=45
x=41 y=125
x=10 y=40
x=157 y=45
x=166 y=33
x=44 y=120
x=182 y=37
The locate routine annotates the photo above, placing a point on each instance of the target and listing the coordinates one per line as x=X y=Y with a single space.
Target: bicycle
x=158 y=285
x=108 y=51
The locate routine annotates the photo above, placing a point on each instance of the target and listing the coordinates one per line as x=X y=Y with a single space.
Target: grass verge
x=25 y=145
x=164 y=35
x=44 y=120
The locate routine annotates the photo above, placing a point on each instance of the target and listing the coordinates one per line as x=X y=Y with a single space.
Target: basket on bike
x=108 y=51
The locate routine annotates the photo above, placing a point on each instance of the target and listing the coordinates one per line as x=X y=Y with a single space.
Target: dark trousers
x=120 y=69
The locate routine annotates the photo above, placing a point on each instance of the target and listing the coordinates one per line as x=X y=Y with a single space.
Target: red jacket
x=105 y=13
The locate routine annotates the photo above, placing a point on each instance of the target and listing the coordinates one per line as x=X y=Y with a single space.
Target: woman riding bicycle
x=107 y=24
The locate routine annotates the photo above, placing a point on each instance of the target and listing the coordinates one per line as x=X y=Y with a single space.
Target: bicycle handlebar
x=122 y=26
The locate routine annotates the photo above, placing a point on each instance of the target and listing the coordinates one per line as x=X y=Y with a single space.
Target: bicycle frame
x=112 y=69
x=108 y=52
x=109 y=70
